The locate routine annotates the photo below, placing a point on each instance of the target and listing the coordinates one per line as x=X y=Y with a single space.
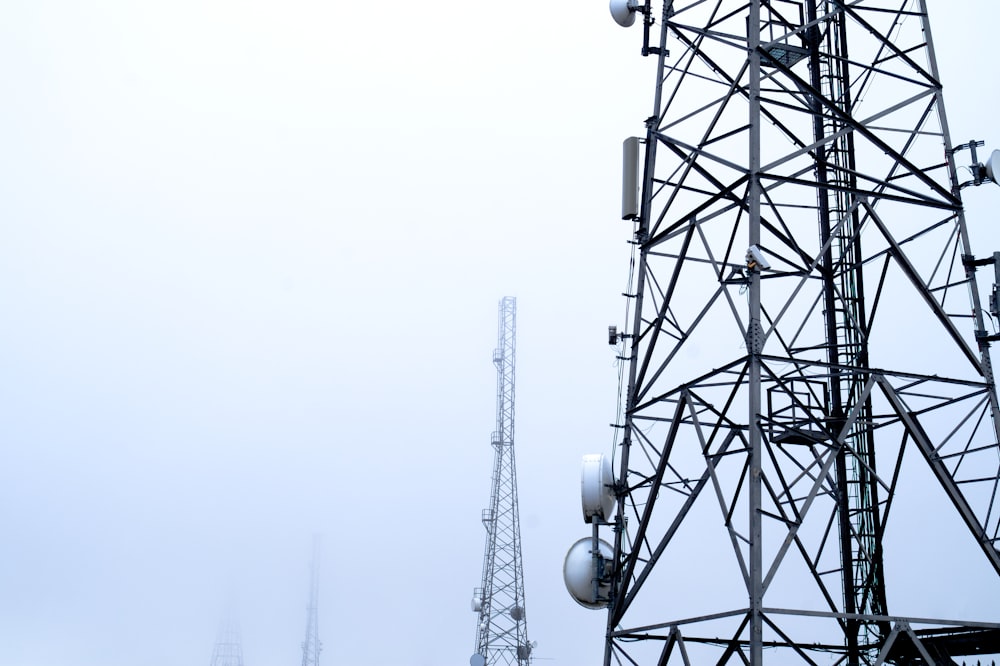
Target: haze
x=250 y=258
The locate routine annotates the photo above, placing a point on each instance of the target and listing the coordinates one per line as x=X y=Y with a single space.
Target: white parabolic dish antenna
x=596 y=488
x=477 y=660
x=623 y=12
x=993 y=166
x=580 y=570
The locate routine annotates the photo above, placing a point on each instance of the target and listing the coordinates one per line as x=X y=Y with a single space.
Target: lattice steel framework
x=771 y=394
x=228 y=650
x=312 y=646
x=502 y=630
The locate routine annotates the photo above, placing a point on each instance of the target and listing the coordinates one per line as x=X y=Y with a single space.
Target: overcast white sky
x=250 y=259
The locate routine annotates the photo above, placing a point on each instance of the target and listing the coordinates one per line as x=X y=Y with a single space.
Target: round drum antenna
x=586 y=572
x=623 y=12
x=993 y=167
x=596 y=488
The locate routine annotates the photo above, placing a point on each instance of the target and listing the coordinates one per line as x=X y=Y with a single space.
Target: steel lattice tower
x=228 y=650
x=803 y=311
x=312 y=646
x=502 y=630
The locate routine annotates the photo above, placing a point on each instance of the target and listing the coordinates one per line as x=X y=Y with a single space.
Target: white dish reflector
x=623 y=12
x=596 y=488
x=581 y=569
x=993 y=166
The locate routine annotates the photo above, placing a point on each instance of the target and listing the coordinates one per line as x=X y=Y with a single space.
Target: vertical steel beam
x=754 y=345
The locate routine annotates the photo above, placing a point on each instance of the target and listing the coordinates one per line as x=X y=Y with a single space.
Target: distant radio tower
x=228 y=650
x=502 y=632
x=312 y=646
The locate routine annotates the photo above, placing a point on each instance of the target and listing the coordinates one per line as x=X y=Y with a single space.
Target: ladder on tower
x=850 y=345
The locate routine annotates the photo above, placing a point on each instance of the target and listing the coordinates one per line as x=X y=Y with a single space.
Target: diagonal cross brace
x=922 y=441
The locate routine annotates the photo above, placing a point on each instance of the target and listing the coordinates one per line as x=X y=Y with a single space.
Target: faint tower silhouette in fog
x=228 y=649
x=311 y=646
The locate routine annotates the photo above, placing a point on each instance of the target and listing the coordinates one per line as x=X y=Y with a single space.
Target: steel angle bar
x=681 y=340
x=701 y=380
x=858 y=127
x=676 y=638
x=803 y=472
x=797 y=647
x=734 y=645
x=785 y=236
x=724 y=193
x=810 y=563
x=887 y=44
x=694 y=152
x=712 y=461
x=946 y=480
x=650 y=500
x=702 y=212
x=737 y=612
x=978 y=407
x=657 y=323
x=812 y=267
x=794 y=528
x=968 y=451
x=882 y=618
x=914 y=277
x=727 y=512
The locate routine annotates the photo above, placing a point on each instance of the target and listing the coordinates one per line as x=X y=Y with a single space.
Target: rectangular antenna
x=630 y=178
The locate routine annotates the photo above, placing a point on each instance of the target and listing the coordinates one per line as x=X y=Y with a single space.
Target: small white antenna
x=992 y=167
x=756 y=260
x=623 y=12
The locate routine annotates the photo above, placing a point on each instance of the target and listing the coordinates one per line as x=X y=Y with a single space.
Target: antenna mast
x=501 y=631
x=312 y=646
x=228 y=650
x=804 y=311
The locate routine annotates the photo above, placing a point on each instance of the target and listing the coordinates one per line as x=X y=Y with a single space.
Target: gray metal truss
x=312 y=646
x=769 y=406
x=228 y=649
x=502 y=629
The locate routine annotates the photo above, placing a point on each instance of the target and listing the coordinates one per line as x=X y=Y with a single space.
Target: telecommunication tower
x=228 y=650
x=502 y=629
x=312 y=646
x=803 y=311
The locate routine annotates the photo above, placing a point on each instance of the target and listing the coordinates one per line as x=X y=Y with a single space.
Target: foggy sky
x=250 y=258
